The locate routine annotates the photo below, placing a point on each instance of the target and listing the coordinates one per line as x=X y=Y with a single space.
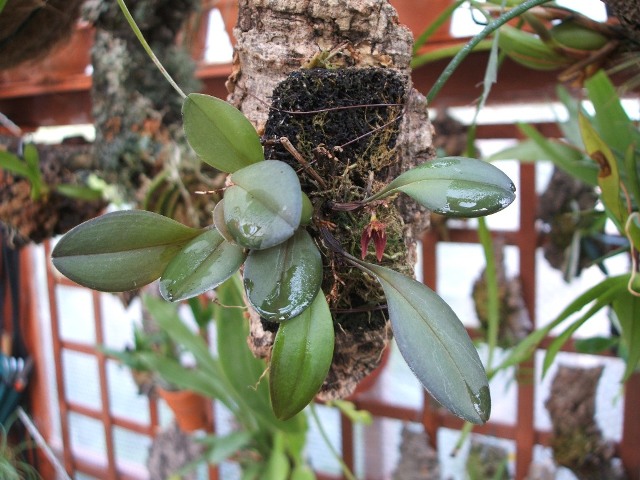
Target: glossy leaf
x=455 y=187
x=219 y=133
x=218 y=221
x=203 y=264
x=301 y=357
x=120 y=251
x=627 y=308
x=263 y=207
x=435 y=345
x=282 y=281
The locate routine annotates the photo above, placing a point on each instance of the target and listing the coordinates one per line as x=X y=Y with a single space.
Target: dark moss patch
x=344 y=123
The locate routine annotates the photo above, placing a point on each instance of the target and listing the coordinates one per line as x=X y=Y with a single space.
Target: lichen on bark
x=363 y=54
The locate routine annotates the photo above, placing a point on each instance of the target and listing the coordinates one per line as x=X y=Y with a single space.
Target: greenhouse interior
x=333 y=240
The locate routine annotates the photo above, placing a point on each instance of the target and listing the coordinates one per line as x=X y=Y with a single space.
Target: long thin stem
x=489 y=29
x=147 y=48
x=345 y=469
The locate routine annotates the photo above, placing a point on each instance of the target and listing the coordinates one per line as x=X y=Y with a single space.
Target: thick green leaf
x=455 y=187
x=302 y=353
x=609 y=174
x=203 y=264
x=2 y=4
x=263 y=207
x=627 y=308
x=120 y=251
x=435 y=345
x=219 y=133
x=282 y=281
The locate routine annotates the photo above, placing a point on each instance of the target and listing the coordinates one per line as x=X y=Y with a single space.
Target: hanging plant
x=262 y=222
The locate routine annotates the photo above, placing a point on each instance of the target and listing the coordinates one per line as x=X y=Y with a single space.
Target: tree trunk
x=347 y=61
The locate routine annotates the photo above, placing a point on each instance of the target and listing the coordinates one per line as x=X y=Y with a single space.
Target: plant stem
x=147 y=48
x=490 y=28
x=345 y=469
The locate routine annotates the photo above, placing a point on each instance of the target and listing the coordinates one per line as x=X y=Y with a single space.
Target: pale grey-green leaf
x=264 y=205
x=436 y=345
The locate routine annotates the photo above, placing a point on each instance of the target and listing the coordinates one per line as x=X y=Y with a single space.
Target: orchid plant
x=261 y=228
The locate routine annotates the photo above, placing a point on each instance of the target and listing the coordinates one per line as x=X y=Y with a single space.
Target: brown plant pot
x=189 y=408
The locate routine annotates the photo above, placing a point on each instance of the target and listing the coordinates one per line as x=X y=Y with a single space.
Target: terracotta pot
x=419 y=14
x=189 y=408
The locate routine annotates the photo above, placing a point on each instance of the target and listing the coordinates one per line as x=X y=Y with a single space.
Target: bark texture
x=324 y=43
x=577 y=441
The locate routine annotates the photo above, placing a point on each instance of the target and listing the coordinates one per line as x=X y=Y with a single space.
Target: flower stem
x=147 y=48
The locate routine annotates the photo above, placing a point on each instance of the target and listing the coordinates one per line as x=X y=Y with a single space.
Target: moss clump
x=344 y=123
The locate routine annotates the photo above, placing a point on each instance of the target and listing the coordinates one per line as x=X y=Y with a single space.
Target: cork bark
x=278 y=37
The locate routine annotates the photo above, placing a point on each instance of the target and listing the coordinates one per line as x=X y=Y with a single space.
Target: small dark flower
x=374 y=231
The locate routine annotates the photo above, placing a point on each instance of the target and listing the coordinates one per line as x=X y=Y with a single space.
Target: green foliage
x=28 y=166
x=204 y=263
x=261 y=213
x=260 y=219
x=120 y=251
x=455 y=187
x=603 y=153
x=219 y=133
x=301 y=358
x=436 y=345
x=235 y=378
x=281 y=282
